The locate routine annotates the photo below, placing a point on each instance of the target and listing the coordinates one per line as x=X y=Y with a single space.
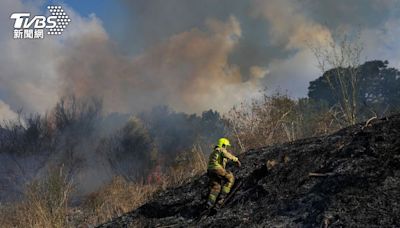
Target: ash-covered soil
x=347 y=179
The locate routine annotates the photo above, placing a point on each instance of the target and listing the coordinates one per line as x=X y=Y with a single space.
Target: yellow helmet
x=223 y=142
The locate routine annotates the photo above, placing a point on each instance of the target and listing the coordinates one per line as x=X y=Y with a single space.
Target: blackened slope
x=361 y=186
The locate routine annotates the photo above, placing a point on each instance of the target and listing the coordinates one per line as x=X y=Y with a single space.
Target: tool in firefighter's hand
x=238 y=163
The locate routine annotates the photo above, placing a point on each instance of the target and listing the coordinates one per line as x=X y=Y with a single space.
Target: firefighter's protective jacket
x=219 y=157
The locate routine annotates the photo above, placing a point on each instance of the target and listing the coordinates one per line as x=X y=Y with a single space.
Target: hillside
x=350 y=178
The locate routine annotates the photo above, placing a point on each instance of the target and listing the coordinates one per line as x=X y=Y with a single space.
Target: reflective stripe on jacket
x=219 y=157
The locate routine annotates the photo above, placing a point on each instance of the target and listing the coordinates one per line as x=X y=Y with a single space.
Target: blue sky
x=87 y=7
x=111 y=13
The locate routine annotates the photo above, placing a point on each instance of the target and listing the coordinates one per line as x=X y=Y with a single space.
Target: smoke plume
x=189 y=71
x=6 y=113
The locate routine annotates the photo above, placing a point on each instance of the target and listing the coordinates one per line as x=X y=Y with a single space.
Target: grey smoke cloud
x=274 y=32
x=27 y=75
x=6 y=113
x=189 y=71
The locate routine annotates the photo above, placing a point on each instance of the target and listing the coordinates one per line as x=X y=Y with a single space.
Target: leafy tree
x=378 y=90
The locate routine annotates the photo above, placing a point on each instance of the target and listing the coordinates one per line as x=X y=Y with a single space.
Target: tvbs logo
x=26 y=27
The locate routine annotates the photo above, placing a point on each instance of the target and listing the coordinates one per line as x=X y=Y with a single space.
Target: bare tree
x=269 y=120
x=342 y=55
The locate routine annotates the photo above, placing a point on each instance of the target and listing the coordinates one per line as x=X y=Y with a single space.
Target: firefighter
x=217 y=173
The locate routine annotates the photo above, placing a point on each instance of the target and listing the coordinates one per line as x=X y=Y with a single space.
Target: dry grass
x=277 y=119
x=46 y=201
x=115 y=199
x=45 y=204
x=188 y=165
x=121 y=196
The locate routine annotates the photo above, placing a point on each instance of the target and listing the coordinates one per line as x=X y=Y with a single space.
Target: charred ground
x=349 y=178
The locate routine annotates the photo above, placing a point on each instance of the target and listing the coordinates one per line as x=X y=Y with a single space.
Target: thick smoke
x=6 y=112
x=291 y=29
x=289 y=24
x=189 y=71
x=27 y=77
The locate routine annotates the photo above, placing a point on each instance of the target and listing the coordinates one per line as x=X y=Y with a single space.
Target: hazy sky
x=189 y=54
